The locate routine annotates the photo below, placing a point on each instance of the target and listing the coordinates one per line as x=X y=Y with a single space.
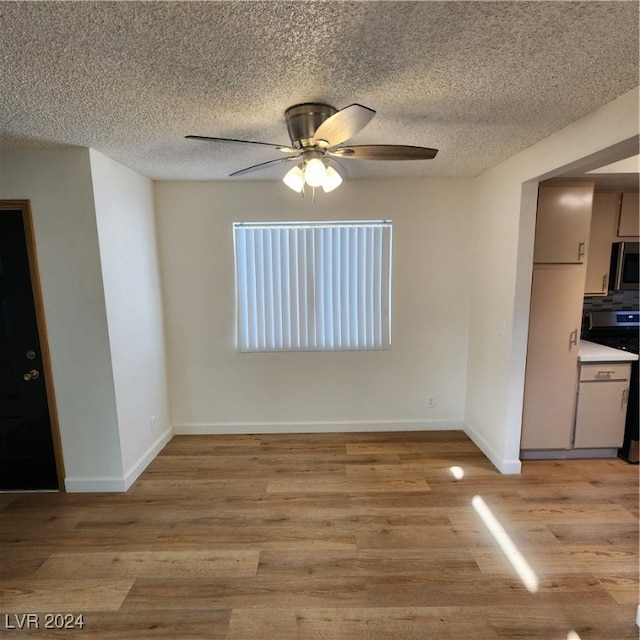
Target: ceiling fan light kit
x=332 y=181
x=314 y=174
x=317 y=130
x=294 y=179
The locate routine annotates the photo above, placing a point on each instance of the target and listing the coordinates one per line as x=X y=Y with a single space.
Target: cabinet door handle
x=605 y=278
x=581 y=249
x=625 y=396
x=573 y=338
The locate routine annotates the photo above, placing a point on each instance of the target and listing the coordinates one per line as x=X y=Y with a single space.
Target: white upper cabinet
x=562 y=223
x=629 y=216
x=604 y=221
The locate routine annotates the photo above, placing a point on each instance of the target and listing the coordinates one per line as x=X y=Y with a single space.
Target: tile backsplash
x=616 y=301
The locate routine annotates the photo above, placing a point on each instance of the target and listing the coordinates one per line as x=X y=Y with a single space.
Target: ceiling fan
x=317 y=133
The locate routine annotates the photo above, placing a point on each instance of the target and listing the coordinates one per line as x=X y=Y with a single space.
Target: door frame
x=27 y=219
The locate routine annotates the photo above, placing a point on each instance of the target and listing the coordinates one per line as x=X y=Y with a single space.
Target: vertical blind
x=313 y=286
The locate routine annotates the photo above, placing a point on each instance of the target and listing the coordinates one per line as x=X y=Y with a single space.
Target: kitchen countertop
x=592 y=352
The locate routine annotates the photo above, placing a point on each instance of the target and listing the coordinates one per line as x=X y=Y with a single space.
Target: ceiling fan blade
x=280 y=147
x=342 y=125
x=263 y=165
x=384 y=152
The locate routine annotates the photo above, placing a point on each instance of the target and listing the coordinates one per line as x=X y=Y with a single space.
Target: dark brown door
x=27 y=457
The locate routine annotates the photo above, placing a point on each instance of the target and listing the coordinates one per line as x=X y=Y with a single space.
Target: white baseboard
x=504 y=466
x=117 y=484
x=145 y=460
x=94 y=484
x=317 y=427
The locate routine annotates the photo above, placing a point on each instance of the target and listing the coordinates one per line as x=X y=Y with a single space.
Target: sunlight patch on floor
x=457 y=472
x=511 y=552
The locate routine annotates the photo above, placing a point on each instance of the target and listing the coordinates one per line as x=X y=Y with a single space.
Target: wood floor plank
x=467 y=589
x=258 y=592
x=19 y=562
x=386 y=472
x=590 y=621
x=617 y=535
x=227 y=486
x=347 y=486
x=156 y=564
x=6 y=499
x=266 y=533
x=623 y=587
x=341 y=536
x=364 y=564
x=402 y=623
x=202 y=624
x=550 y=561
x=573 y=514
x=25 y=595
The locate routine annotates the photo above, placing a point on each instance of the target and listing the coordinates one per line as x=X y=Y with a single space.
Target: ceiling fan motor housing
x=304 y=119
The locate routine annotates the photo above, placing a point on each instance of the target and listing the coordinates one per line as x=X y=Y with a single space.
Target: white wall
x=130 y=273
x=95 y=237
x=503 y=227
x=58 y=184
x=215 y=389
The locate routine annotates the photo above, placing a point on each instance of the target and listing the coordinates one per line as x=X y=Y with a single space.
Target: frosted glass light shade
x=315 y=173
x=332 y=180
x=294 y=179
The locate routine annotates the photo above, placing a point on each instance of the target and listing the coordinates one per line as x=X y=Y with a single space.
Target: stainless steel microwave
x=623 y=274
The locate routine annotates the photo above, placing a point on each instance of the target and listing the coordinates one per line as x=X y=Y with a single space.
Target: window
x=320 y=286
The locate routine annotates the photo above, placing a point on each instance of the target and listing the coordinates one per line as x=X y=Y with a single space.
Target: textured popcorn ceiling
x=478 y=80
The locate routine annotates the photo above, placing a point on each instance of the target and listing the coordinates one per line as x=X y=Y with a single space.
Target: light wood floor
x=328 y=537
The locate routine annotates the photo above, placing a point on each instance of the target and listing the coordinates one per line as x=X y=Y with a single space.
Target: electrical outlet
x=152 y=423
x=431 y=402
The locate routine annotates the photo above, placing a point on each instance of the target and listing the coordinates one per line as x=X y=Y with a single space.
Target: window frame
x=320 y=267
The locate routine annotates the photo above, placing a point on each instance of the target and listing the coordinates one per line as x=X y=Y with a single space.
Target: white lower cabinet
x=601 y=408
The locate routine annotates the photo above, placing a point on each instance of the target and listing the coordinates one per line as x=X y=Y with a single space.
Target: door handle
x=34 y=374
x=582 y=246
x=573 y=338
x=605 y=280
